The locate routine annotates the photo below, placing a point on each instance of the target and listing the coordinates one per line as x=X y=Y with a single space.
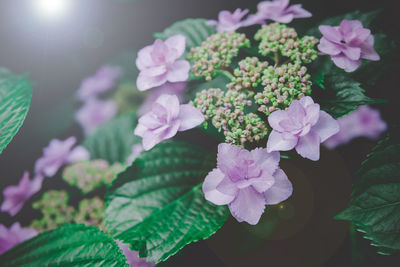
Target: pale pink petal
x=213 y=179
x=345 y=63
x=330 y=33
x=248 y=206
x=275 y=118
x=287 y=18
x=298 y=11
x=326 y=126
x=368 y=51
x=312 y=114
x=140 y=130
x=296 y=111
x=276 y=142
x=227 y=187
x=268 y=162
x=144 y=59
x=281 y=190
x=263 y=183
x=177 y=43
x=328 y=47
x=79 y=153
x=170 y=103
x=352 y=53
x=178 y=71
x=227 y=161
x=190 y=117
x=145 y=82
x=308 y=146
x=306 y=101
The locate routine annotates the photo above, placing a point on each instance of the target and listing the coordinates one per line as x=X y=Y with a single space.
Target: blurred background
x=61 y=45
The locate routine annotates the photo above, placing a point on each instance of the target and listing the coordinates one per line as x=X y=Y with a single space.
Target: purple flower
x=167 y=88
x=57 y=154
x=363 y=122
x=302 y=126
x=136 y=150
x=278 y=10
x=247 y=181
x=347 y=44
x=158 y=63
x=101 y=82
x=94 y=113
x=13 y=236
x=165 y=119
x=133 y=257
x=15 y=196
x=229 y=22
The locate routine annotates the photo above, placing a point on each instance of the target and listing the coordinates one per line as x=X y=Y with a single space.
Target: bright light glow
x=52 y=8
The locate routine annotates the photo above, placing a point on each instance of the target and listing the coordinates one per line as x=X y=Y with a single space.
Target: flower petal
x=345 y=63
x=178 y=71
x=354 y=53
x=276 y=142
x=330 y=33
x=177 y=43
x=328 y=47
x=281 y=190
x=368 y=51
x=145 y=82
x=308 y=146
x=326 y=126
x=213 y=179
x=144 y=59
x=79 y=153
x=190 y=117
x=248 y=206
x=275 y=118
x=268 y=162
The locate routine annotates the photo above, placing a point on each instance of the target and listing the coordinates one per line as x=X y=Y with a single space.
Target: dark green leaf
x=318 y=79
x=347 y=95
x=15 y=100
x=375 y=203
x=195 y=30
x=157 y=204
x=70 y=245
x=113 y=141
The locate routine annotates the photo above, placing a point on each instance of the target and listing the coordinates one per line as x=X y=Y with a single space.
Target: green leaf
x=195 y=30
x=70 y=245
x=365 y=17
x=15 y=100
x=113 y=141
x=89 y=175
x=157 y=205
x=375 y=203
x=347 y=95
x=318 y=79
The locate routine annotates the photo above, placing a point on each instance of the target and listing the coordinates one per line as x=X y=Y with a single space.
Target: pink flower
x=13 y=236
x=278 y=10
x=347 y=44
x=94 y=113
x=167 y=88
x=158 y=63
x=247 y=181
x=229 y=22
x=133 y=257
x=57 y=154
x=101 y=82
x=302 y=126
x=363 y=122
x=15 y=196
x=165 y=119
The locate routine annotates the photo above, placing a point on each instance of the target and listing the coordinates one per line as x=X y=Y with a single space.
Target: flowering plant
x=251 y=99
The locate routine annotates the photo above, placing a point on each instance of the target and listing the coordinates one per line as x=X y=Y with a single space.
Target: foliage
x=157 y=204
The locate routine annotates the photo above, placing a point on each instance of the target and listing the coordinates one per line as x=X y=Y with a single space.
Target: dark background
x=59 y=54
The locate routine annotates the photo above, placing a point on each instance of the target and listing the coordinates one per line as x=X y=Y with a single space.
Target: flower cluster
x=227 y=113
x=89 y=175
x=91 y=212
x=216 y=53
x=282 y=85
x=248 y=74
x=278 y=38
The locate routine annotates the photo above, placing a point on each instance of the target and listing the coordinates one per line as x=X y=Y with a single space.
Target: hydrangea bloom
x=101 y=82
x=165 y=119
x=58 y=153
x=302 y=126
x=347 y=44
x=278 y=10
x=363 y=122
x=133 y=257
x=13 y=236
x=94 y=113
x=247 y=181
x=158 y=63
x=229 y=22
x=167 y=88
x=15 y=196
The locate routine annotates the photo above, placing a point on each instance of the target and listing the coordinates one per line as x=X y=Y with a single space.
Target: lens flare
x=52 y=8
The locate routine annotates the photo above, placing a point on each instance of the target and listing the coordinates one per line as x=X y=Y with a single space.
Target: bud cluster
x=91 y=212
x=282 y=85
x=277 y=37
x=248 y=74
x=227 y=113
x=216 y=52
